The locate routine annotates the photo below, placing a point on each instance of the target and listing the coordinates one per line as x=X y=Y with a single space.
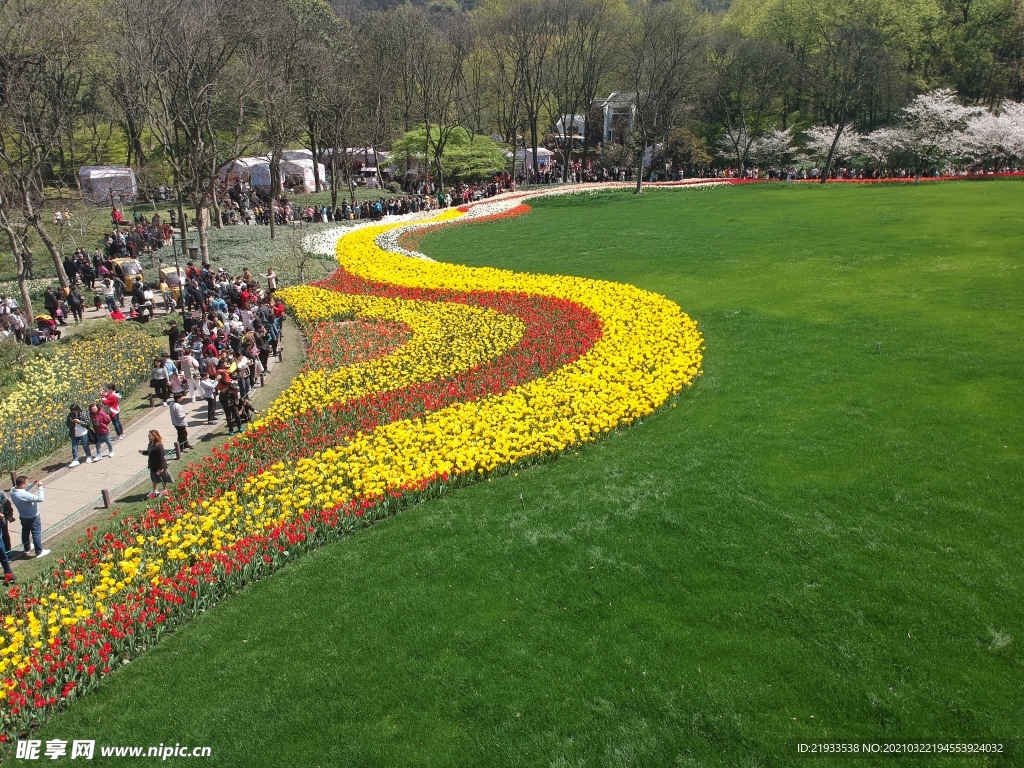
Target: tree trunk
x=533 y=146
x=33 y=218
x=202 y=210
x=376 y=166
x=16 y=248
x=275 y=173
x=218 y=222
x=831 y=153
x=640 y=168
x=182 y=227
x=317 y=184
x=334 y=178
x=23 y=288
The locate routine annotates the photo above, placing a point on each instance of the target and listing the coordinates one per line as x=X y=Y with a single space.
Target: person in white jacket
x=179 y=419
x=190 y=368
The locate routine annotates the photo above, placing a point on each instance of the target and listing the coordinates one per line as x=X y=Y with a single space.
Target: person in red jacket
x=101 y=428
x=112 y=401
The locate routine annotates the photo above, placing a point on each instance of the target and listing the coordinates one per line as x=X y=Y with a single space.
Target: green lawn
x=821 y=542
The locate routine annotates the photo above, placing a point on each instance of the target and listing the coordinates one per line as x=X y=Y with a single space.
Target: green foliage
x=974 y=46
x=822 y=539
x=685 y=150
x=466 y=157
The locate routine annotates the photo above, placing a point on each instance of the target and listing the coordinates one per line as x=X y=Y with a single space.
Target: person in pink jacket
x=101 y=428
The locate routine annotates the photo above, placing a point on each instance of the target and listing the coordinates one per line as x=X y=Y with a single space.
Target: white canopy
x=297 y=154
x=575 y=124
x=543 y=155
x=299 y=172
x=247 y=170
x=296 y=172
x=108 y=181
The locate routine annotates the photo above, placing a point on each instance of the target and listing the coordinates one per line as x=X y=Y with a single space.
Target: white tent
x=297 y=154
x=296 y=173
x=543 y=156
x=247 y=170
x=104 y=182
x=574 y=124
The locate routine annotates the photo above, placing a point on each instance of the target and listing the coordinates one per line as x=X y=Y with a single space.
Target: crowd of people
x=218 y=356
x=243 y=204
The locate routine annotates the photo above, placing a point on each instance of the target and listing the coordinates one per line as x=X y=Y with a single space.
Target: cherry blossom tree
x=774 y=148
x=997 y=139
x=882 y=144
x=822 y=141
x=934 y=129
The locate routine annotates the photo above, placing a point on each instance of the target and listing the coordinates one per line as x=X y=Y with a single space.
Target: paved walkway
x=76 y=493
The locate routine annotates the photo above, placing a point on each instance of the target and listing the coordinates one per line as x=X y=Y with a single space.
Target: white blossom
x=734 y=137
x=819 y=141
x=772 y=148
x=935 y=127
x=997 y=138
x=881 y=144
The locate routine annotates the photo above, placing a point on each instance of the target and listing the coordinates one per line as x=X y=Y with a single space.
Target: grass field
x=821 y=542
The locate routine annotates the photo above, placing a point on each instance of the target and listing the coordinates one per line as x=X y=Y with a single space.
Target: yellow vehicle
x=128 y=270
x=175 y=279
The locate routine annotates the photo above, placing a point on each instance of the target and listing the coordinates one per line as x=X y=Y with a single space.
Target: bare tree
x=850 y=68
x=42 y=46
x=504 y=89
x=519 y=34
x=293 y=34
x=660 y=64
x=582 y=54
x=747 y=80
x=327 y=92
x=17 y=243
x=199 y=95
x=439 y=77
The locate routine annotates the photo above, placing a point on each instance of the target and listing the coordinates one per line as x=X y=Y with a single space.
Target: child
x=246 y=412
x=112 y=400
x=208 y=390
x=177 y=384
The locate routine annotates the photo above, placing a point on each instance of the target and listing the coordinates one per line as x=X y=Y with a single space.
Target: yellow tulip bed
x=500 y=369
x=32 y=414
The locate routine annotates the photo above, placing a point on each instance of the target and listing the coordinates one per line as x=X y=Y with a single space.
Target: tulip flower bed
x=336 y=344
x=32 y=413
x=482 y=371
